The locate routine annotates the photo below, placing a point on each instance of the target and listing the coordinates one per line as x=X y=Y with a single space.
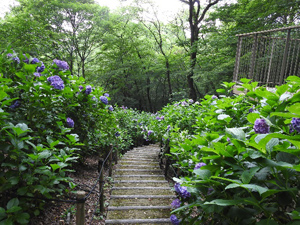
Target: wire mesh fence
x=268 y=57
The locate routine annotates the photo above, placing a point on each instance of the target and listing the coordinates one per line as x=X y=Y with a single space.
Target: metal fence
x=268 y=57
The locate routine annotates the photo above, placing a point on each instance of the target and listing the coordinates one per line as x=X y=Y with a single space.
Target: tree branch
x=206 y=9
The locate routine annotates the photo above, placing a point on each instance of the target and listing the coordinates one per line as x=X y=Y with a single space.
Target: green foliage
x=38 y=145
x=248 y=178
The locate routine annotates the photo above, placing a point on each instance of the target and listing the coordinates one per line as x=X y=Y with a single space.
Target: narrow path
x=140 y=195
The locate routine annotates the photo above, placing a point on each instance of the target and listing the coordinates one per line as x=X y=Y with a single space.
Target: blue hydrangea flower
x=56 y=82
x=110 y=108
x=214 y=97
x=168 y=127
x=162 y=117
x=70 y=122
x=251 y=110
x=35 y=61
x=88 y=89
x=106 y=95
x=41 y=68
x=199 y=165
x=117 y=134
x=261 y=127
x=176 y=203
x=191 y=101
x=158 y=118
x=296 y=124
x=80 y=87
x=183 y=103
x=61 y=64
x=16 y=104
x=177 y=187
x=104 y=100
x=174 y=220
x=228 y=140
x=150 y=132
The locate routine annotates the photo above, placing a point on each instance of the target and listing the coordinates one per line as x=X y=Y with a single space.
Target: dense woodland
x=144 y=62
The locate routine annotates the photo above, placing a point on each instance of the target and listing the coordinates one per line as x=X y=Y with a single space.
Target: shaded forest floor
x=85 y=177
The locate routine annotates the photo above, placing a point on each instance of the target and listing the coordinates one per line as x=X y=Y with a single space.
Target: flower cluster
x=61 y=64
x=16 y=59
x=199 y=165
x=191 y=101
x=182 y=191
x=184 y=103
x=16 y=104
x=35 y=61
x=295 y=124
x=176 y=203
x=41 y=68
x=160 y=118
x=261 y=126
x=106 y=95
x=88 y=89
x=214 y=97
x=104 y=100
x=56 y=82
x=174 y=220
x=70 y=122
x=150 y=132
x=110 y=108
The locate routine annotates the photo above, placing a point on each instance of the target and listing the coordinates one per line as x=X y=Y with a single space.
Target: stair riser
x=140 y=202
x=150 y=184
x=141 y=214
x=141 y=192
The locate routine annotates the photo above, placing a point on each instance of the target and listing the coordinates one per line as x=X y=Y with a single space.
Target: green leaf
x=250 y=187
x=13 y=202
x=224 y=202
x=23 y=218
x=251 y=117
x=2 y=213
x=295 y=109
x=54 y=167
x=222 y=116
x=248 y=174
x=2 y=95
x=44 y=154
x=236 y=133
x=202 y=173
x=267 y=222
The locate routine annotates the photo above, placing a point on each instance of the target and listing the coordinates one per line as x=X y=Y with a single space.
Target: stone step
x=139 y=213
x=142 y=191
x=114 y=208
x=139 y=177
x=139 y=221
x=137 y=172
x=139 y=159
x=133 y=163
x=141 y=183
x=121 y=166
x=141 y=196
x=140 y=201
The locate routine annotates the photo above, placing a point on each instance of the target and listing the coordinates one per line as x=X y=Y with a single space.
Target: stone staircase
x=140 y=195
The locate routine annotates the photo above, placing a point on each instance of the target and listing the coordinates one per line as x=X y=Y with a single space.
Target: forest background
x=142 y=60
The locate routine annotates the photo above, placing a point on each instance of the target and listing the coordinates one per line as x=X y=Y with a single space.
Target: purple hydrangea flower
x=40 y=68
x=261 y=127
x=182 y=191
x=88 y=89
x=61 y=64
x=56 y=82
x=37 y=74
x=174 y=220
x=214 y=97
x=110 y=108
x=296 y=124
x=123 y=107
x=176 y=203
x=35 y=61
x=251 y=110
x=199 y=165
x=183 y=103
x=80 y=87
x=9 y=55
x=158 y=118
x=16 y=59
x=106 y=95
x=150 y=132
x=117 y=134
x=228 y=140
x=16 y=104
x=191 y=101
x=168 y=127
x=25 y=60
x=210 y=190
x=162 y=117
x=104 y=100
x=70 y=122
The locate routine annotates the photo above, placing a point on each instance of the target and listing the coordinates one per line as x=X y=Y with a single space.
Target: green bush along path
x=140 y=194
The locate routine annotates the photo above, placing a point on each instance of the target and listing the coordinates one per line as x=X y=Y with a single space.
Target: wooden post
x=80 y=217
x=101 y=182
x=237 y=60
x=253 y=57
x=285 y=54
x=110 y=160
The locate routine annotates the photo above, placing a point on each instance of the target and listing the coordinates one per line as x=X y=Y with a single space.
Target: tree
x=196 y=16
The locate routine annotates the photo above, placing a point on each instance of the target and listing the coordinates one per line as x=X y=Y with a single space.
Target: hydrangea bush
x=237 y=156
x=47 y=123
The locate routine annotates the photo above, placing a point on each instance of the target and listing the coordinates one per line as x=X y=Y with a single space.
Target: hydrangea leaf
x=236 y=133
